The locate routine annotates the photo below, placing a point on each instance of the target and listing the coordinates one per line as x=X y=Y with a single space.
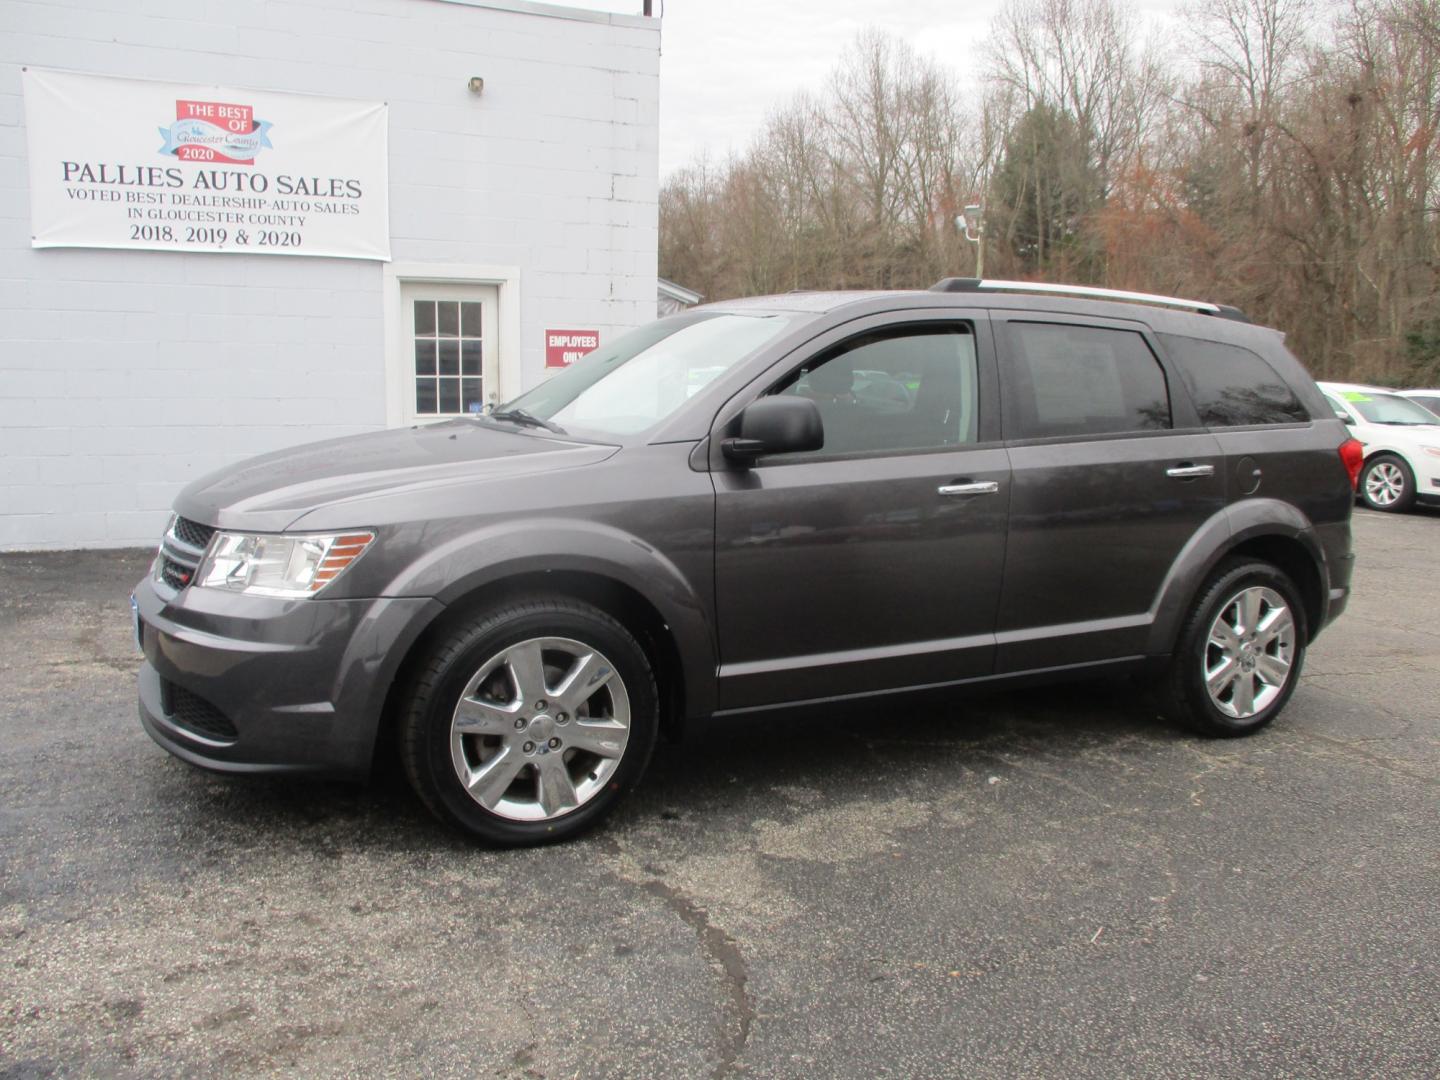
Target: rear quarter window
x=1232 y=386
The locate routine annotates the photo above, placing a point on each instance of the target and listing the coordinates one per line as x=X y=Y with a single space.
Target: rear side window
x=1232 y=386
x=1081 y=380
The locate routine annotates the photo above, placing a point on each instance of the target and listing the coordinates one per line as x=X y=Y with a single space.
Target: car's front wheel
x=1388 y=484
x=1239 y=653
x=530 y=721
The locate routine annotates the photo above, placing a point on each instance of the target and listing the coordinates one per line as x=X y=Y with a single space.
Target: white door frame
x=399 y=348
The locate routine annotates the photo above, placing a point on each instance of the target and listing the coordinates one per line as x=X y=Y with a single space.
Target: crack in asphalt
x=1029 y=767
x=1378 y=760
x=715 y=943
x=722 y=949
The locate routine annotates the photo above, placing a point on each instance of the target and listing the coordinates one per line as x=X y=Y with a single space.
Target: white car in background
x=1429 y=398
x=1402 y=444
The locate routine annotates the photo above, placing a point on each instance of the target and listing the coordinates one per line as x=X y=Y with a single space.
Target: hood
x=1407 y=435
x=270 y=492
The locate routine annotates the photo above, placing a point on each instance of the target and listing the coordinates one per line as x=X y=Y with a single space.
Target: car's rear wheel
x=1387 y=483
x=529 y=722
x=1239 y=653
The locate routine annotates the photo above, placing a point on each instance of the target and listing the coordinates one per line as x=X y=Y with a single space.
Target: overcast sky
x=725 y=64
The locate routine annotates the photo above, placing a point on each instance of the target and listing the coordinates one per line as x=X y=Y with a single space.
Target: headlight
x=271 y=564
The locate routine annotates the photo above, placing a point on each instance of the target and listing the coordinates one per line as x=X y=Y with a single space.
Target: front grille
x=181 y=550
x=192 y=532
x=191 y=711
x=173 y=573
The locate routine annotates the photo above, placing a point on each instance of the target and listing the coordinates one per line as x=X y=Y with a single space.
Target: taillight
x=1352 y=454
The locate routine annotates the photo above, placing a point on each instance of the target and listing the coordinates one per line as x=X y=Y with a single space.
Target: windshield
x=1387 y=408
x=644 y=376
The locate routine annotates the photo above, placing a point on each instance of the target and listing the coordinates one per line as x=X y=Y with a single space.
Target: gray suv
x=756 y=505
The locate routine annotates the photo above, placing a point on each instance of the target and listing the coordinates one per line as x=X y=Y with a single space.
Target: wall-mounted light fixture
x=476 y=84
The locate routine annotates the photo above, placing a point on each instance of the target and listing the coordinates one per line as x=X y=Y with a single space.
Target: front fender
x=1224 y=531
x=472 y=560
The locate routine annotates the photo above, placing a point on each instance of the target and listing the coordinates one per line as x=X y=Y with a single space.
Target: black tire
x=1184 y=695
x=1396 y=467
x=426 y=732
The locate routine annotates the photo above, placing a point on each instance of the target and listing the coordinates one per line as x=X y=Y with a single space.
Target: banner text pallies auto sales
x=234 y=180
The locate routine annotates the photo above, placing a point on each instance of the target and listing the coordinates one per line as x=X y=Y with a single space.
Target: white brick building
x=124 y=374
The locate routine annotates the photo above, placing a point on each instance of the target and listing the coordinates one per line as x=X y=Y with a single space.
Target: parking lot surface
x=1048 y=883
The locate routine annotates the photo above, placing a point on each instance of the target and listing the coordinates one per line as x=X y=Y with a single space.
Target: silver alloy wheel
x=540 y=729
x=1384 y=483
x=1249 y=652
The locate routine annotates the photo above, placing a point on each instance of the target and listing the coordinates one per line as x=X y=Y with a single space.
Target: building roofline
x=559 y=11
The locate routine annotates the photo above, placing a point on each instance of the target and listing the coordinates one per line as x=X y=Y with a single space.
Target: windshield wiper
x=520 y=416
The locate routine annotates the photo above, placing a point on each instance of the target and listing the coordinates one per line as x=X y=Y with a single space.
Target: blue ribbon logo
x=237 y=146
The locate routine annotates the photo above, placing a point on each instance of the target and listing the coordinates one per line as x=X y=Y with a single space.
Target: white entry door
x=453 y=359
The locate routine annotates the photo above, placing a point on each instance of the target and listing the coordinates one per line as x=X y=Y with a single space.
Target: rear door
x=1272 y=446
x=1111 y=476
x=874 y=562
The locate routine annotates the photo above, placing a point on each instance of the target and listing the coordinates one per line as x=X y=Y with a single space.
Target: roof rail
x=1202 y=307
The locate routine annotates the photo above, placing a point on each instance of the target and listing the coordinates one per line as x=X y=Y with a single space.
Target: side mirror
x=1346 y=417
x=780 y=424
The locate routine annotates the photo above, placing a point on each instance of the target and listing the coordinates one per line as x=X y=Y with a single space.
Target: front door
x=874 y=562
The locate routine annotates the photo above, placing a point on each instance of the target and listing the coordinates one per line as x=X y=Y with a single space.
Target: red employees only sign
x=564 y=347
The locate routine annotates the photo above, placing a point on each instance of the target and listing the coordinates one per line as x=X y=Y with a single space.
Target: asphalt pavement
x=1049 y=884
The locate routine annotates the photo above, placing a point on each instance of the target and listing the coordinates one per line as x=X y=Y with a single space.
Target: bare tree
x=1284 y=161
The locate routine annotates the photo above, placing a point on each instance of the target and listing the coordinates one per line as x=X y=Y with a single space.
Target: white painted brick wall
x=123 y=375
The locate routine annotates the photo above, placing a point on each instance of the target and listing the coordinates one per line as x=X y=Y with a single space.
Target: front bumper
x=1427 y=477
x=1427 y=488
x=248 y=684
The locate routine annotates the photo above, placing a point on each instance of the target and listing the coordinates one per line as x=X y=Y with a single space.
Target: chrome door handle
x=1190 y=472
x=979 y=487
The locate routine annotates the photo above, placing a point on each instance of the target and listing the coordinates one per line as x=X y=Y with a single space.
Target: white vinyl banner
x=125 y=163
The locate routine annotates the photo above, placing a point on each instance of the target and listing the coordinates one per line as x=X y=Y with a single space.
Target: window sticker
x=1353 y=395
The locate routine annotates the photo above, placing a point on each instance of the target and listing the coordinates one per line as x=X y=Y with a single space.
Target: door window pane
x=448 y=318
x=449 y=395
x=1081 y=380
x=1232 y=386
x=469 y=394
x=470 y=314
x=449 y=352
x=911 y=388
x=470 y=356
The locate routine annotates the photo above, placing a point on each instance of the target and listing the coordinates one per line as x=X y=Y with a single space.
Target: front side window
x=1232 y=386
x=1064 y=380
x=646 y=375
x=912 y=388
